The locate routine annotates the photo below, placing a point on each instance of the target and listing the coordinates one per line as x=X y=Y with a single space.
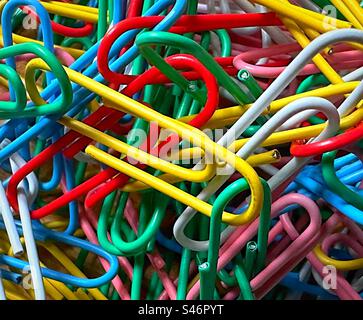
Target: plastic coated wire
x=30 y=245
x=270 y=126
x=98 y=120
x=252 y=113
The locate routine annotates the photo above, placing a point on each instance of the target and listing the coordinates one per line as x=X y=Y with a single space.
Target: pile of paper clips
x=181 y=149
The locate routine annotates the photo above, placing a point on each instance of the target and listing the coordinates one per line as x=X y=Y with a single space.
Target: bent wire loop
x=121 y=120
